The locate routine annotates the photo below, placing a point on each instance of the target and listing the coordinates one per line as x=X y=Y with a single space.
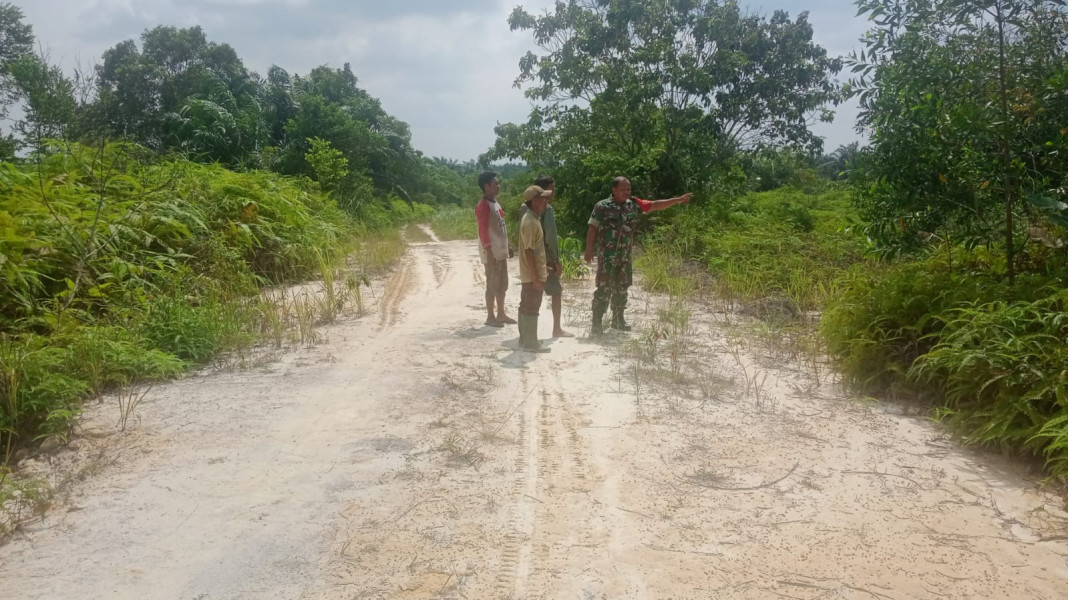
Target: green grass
x=572 y=259
x=119 y=267
x=454 y=223
x=377 y=251
x=783 y=244
x=948 y=328
x=943 y=326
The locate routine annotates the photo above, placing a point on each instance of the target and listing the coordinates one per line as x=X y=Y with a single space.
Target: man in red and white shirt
x=493 y=248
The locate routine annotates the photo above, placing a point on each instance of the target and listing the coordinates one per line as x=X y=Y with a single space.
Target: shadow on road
x=477 y=332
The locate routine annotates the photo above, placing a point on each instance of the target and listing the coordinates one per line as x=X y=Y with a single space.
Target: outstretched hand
x=685 y=197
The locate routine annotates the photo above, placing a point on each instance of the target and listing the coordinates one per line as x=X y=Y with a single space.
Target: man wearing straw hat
x=553 y=289
x=533 y=271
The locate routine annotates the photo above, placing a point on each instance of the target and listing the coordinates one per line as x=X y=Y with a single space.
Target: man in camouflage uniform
x=612 y=228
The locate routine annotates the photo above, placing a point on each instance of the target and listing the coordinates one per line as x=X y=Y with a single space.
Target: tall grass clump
x=888 y=315
x=572 y=259
x=119 y=266
x=454 y=223
x=1002 y=369
x=665 y=272
x=948 y=328
x=784 y=244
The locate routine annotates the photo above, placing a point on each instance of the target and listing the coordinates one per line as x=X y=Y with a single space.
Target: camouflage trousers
x=609 y=294
x=612 y=285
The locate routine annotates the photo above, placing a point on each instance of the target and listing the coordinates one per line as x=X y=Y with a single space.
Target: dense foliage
x=117 y=268
x=145 y=207
x=786 y=246
x=179 y=91
x=965 y=182
x=965 y=104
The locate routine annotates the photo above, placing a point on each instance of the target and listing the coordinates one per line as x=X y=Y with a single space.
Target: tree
x=279 y=102
x=331 y=170
x=47 y=98
x=182 y=91
x=334 y=108
x=663 y=90
x=330 y=165
x=964 y=101
x=16 y=41
x=839 y=163
x=16 y=37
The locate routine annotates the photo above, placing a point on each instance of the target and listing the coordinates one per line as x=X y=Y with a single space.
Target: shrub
x=949 y=327
x=572 y=259
x=118 y=266
x=782 y=244
x=1002 y=368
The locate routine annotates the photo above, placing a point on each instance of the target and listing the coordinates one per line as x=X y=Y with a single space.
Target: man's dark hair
x=485 y=178
x=544 y=181
x=618 y=180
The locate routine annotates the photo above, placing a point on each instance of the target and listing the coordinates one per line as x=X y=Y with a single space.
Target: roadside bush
x=948 y=327
x=572 y=258
x=887 y=316
x=119 y=266
x=44 y=379
x=783 y=244
x=1002 y=368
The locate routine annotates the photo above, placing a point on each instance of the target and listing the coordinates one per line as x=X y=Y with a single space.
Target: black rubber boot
x=598 y=323
x=528 y=335
x=618 y=322
x=522 y=330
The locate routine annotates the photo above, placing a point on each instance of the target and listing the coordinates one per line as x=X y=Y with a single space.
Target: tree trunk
x=1006 y=153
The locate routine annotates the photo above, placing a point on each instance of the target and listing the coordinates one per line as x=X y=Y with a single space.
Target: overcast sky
x=444 y=66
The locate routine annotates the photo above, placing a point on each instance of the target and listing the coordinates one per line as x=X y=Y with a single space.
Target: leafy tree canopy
x=665 y=91
x=965 y=104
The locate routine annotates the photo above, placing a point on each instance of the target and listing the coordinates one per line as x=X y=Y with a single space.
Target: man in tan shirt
x=533 y=271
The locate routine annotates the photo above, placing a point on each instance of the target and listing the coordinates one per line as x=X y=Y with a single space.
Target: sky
x=446 y=67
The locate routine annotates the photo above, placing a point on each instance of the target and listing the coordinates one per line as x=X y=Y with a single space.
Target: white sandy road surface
x=415 y=454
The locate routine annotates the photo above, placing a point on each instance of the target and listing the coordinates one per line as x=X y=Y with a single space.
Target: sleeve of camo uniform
x=595 y=216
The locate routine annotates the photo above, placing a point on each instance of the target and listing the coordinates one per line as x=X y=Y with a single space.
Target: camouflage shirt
x=617 y=224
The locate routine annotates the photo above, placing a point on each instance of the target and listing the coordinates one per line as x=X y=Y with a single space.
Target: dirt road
x=414 y=453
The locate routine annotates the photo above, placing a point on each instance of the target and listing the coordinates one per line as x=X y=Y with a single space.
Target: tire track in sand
x=563 y=530
x=429 y=231
x=396 y=289
x=442 y=269
x=514 y=564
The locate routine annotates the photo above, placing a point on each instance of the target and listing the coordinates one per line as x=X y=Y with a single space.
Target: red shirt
x=482 y=215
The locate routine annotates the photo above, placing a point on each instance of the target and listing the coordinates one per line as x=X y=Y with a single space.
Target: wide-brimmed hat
x=534 y=191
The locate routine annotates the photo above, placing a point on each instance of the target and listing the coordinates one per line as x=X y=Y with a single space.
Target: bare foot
x=560 y=333
x=506 y=319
